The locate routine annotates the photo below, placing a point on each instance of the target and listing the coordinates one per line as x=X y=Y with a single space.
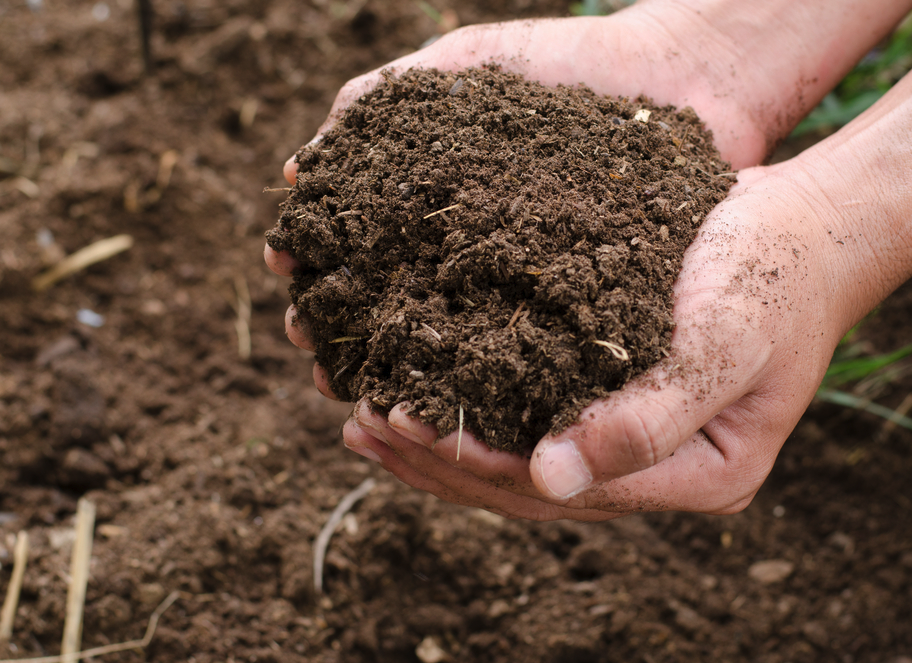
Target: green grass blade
x=852 y=370
x=586 y=8
x=834 y=113
x=848 y=400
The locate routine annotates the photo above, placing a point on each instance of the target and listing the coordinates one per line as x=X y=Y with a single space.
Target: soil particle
x=477 y=244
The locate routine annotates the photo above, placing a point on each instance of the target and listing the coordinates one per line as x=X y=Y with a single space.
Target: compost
x=492 y=250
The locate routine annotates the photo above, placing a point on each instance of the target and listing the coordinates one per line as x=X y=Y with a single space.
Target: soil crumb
x=481 y=242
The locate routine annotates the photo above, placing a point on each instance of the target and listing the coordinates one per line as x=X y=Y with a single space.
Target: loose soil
x=213 y=473
x=494 y=251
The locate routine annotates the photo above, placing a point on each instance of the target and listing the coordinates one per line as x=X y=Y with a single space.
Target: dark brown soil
x=213 y=473
x=476 y=244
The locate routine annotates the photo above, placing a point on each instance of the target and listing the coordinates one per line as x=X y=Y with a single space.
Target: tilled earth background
x=160 y=384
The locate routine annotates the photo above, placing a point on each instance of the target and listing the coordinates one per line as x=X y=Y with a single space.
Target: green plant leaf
x=834 y=113
x=848 y=400
x=842 y=371
x=586 y=8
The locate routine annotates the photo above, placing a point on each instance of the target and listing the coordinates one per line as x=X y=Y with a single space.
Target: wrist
x=858 y=182
x=770 y=62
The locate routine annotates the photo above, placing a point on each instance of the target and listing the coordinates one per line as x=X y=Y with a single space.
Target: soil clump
x=492 y=250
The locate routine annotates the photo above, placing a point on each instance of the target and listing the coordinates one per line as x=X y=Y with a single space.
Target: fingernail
x=374 y=432
x=563 y=471
x=367 y=453
x=410 y=435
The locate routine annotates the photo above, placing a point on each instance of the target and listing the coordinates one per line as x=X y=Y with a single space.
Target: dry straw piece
x=329 y=528
x=244 y=308
x=117 y=647
x=459 y=436
x=84 y=257
x=79 y=580
x=11 y=603
x=79 y=577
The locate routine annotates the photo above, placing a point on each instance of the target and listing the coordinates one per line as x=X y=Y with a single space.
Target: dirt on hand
x=493 y=251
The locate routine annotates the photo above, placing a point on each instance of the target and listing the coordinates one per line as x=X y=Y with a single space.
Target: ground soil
x=213 y=473
x=494 y=252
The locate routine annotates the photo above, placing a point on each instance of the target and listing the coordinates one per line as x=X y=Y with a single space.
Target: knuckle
x=648 y=437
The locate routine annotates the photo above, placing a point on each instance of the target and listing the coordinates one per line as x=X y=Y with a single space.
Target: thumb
x=625 y=433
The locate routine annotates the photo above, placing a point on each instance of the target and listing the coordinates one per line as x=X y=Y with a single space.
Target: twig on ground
x=434 y=332
x=516 y=315
x=84 y=257
x=459 y=435
x=441 y=211
x=322 y=542
x=166 y=163
x=11 y=603
x=27 y=186
x=616 y=349
x=248 y=112
x=114 y=648
x=146 y=14
x=79 y=579
x=244 y=308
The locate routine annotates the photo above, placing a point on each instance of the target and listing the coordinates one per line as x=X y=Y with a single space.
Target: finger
x=298 y=329
x=417 y=466
x=280 y=262
x=411 y=427
x=321 y=381
x=628 y=432
x=358 y=439
x=290 y=171
x=498 y=468
x=362 y=442
x=697 y=478
x=514 y=497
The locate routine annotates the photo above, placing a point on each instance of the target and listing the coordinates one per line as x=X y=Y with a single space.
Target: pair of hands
x=756 y=317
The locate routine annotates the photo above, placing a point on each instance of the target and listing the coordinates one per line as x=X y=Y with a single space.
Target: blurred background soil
x=160 y=384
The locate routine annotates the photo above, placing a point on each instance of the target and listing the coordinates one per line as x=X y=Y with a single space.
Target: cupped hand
x=656 y=48
x=756 y=327
x=701 y=430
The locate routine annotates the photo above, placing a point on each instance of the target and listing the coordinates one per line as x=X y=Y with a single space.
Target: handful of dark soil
x=494 y=251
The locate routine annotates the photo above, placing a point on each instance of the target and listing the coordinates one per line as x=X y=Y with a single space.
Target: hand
x=699 y=432
x=694 y=65
x=795 y=256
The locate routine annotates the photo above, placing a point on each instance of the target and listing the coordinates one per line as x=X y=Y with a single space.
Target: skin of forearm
x=859 y=180
x=779 y=58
